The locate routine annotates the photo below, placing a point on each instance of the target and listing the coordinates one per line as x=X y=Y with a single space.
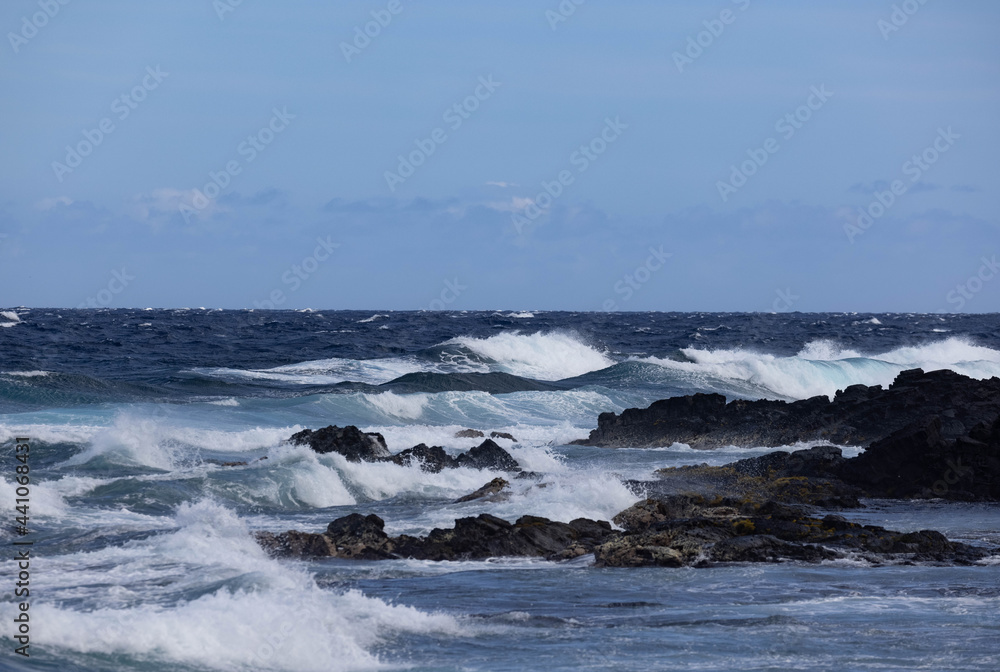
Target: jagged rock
x=681 y=531
x=502 y=435
x=698 y=531
x=351 y=442
x=432 y=459
x=494 y=487
x=858 y=415
x=487 y=455
x=485 y=536
x=918 y=461
x=358 y=446
x=469 y=434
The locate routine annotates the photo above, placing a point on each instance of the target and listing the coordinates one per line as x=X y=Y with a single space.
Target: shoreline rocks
x=858 y=415
x=677 y=531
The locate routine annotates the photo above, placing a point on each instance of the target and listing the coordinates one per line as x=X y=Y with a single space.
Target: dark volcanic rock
x=487 y=455
x=351 y=442
x=691 y=530
x=503 y=435
x=485 y=536
x=671 y=532
x=858 y=415
x=469 y=434
x=432 y=458
x=358 y=446
x=494 y=487
x=918 y=461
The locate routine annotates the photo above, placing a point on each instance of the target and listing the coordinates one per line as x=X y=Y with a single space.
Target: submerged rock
x=494 y=487
x=469 y=434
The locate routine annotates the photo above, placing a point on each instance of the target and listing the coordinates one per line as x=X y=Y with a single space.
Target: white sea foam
x=138 y=440
x=27 y=374
x=823 y=367
x=8 y=318
x=543 y=356
x=274 y=617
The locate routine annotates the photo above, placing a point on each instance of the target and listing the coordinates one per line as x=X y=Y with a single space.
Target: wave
x=212 y=596
x=541 y=356
x=823 y=367
x=8 y=318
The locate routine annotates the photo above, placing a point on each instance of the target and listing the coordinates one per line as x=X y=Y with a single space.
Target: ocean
x=142 y=556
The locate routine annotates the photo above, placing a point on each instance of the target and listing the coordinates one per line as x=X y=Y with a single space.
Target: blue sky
x=642 y=122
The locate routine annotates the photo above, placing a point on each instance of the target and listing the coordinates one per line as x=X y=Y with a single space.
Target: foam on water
x=137 y=440
x=823 y=367
x=542 y=356
x=263 y=615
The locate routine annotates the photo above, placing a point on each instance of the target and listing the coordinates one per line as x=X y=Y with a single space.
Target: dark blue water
x=143 y=554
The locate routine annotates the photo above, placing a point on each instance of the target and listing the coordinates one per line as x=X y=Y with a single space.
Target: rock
x=359 y=537
x=494 y=487
x=858 y=415
x=351 y=442
x=698 y=531
x=502 y=435
x=358 y=446
x=469 y=434
x=682 y=531
x=485 y=536
x=432 y=459
x=918 y=461
x=487 y=455
x=765 y=548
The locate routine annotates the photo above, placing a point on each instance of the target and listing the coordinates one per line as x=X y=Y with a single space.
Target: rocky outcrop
x=351 y=442
x=918 y=461
x=485 y=536
x=358 y=446
x=858 y=415
x=469 y=434
x=668 y=532
x=692 y=530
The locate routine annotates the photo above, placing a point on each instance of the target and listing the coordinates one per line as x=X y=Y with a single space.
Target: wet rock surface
x=673 y=531
x=358 y=446
x=858 y=415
